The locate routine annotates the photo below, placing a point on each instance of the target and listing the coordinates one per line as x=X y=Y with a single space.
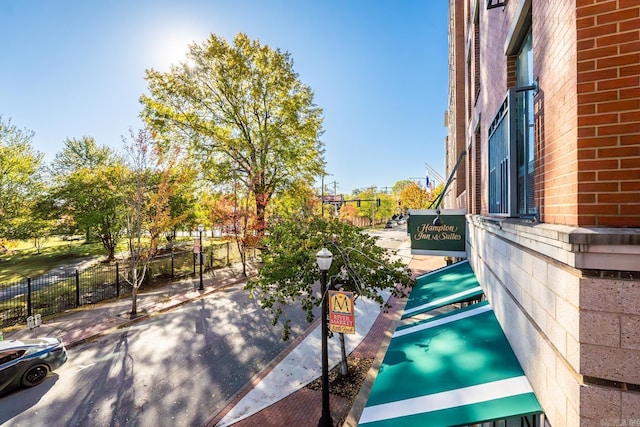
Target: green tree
x=245 y=112
x=41 y=223
x=88 y=191
x=95 y=199
x=81 y=172
x=20 y=180
x=299 y=199
x=400 y=185
x=289 y=268
x=78 y=154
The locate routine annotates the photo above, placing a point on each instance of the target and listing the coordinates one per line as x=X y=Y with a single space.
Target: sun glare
x=171 y=49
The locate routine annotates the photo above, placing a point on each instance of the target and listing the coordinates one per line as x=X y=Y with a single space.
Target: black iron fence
x=55 y=293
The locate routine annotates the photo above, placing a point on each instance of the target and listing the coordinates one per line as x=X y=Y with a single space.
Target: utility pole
x=335 y=206
x=322 y=191
x=373 y=218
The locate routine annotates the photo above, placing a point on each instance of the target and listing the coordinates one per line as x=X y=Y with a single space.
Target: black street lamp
x=200 y=229
x=324 y=258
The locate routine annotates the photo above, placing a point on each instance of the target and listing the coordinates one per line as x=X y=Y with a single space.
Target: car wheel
x=35 y=375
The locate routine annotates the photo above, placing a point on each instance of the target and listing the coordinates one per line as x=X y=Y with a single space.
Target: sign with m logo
x=341 y=312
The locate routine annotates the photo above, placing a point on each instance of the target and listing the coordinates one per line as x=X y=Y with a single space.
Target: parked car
x=390 y=224
x=26 y=363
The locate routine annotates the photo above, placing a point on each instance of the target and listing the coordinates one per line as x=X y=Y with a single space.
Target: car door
x=9 y=367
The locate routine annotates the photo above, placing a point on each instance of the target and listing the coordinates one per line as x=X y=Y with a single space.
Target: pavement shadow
x=28 y=397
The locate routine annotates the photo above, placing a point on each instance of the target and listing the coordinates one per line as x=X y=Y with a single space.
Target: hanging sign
x=341 y=313
x=437 y=234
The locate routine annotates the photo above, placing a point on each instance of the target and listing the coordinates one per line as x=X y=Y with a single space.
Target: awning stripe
x=450 y=299
x=448 y=399
x=457 y=315
x=444 y=286
x=456 y=368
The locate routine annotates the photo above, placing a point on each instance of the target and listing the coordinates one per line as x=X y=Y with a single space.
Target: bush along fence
x=55 y=293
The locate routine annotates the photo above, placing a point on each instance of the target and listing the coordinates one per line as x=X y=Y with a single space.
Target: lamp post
x=200 y=229
x=324 y=258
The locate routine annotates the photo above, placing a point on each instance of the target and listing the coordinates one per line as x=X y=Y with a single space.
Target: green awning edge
x=451 y=284
x=509 y=407
x=509 y=397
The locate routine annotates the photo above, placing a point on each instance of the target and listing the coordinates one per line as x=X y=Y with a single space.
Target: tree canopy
x=289 y=268
x=20 y=179
x=89 y=191
x=244 y=111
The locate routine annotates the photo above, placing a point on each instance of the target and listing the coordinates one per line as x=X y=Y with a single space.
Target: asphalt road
x=176 y=369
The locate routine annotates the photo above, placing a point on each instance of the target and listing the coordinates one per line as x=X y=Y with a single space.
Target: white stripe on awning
x=447 y=399
x=444 y=320
x=450 y=299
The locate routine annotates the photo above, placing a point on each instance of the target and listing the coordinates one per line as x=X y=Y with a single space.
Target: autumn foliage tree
x=244 y=112
x=150 y=178
x=414 y=196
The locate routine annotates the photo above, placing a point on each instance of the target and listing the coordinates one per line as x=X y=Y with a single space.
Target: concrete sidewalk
x=278 y=397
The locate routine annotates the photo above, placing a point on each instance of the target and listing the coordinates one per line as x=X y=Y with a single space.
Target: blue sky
x=378 y=69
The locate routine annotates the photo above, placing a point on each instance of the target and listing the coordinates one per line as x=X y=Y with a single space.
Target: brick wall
x=554 y=35
x=608 y=88
x=587 y=60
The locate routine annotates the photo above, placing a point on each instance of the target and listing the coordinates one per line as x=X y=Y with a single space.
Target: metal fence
x=55 y=293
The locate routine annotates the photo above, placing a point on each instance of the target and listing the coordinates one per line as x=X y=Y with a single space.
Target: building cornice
x=584 y=248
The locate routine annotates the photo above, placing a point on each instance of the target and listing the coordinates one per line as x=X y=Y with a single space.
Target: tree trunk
x=134 y=291
x=134 y=301
x=344 y=369
x=262 y=201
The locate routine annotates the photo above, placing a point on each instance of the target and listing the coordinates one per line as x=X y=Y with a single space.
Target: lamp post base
x=325 y=422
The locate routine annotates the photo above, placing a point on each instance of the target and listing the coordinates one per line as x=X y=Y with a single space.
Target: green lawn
x=23 y=260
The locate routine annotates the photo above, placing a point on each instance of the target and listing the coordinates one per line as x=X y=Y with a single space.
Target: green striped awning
x=447 y=285
x=450 y=370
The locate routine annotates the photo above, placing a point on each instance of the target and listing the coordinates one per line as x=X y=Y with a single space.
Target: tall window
x=524 y=127
x=511 y=139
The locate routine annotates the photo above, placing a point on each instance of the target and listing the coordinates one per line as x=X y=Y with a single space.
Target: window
x=9 y=355
x=524 y=128
x=476 y=56
x=511 y=143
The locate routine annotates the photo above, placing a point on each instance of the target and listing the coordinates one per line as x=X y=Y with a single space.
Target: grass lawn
x=23 y=260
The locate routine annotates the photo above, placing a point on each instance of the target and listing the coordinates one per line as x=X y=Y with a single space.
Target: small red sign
x=342 y=317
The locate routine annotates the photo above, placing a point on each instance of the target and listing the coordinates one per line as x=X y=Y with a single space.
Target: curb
x=231 y=402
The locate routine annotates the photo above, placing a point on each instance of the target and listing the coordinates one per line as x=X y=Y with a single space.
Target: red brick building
x=545 y=112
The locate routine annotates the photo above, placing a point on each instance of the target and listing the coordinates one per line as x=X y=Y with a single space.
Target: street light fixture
x=324 y=258
x=200 y=229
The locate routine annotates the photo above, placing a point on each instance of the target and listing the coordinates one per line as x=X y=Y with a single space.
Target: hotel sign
x=446 y=237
